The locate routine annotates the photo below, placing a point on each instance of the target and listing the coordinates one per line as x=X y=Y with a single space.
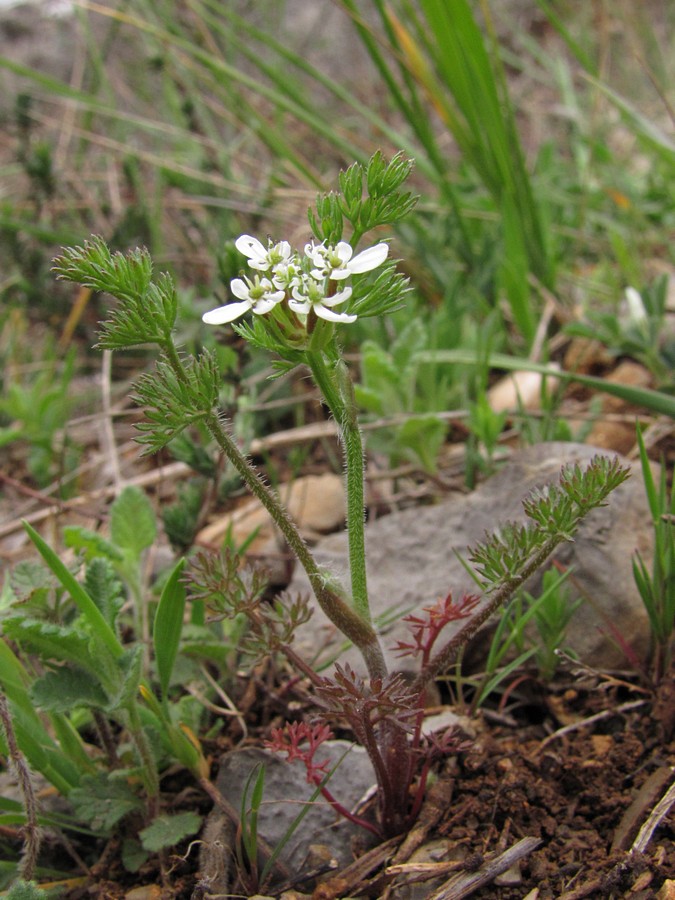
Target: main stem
x=352 y=622
x=335 y=385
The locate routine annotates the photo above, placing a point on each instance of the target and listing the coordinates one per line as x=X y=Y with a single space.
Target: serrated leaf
x=104 y=588
x=133 y=855
x=166 y=831
x=100 y=628
x=30 y=578
x=132 y=521
x=103 y=801
x=89 y=543
x=173 y=402
x=51 y=641
x=66 y=688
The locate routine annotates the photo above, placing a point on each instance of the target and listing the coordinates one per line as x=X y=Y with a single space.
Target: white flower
x=308 y=294
x=260 y=257
x=286 y=273
x=258 y=295
x=336 y=261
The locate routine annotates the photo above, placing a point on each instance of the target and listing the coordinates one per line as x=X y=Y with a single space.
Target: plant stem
x=356 y=628
x=443 y=659
x=147 y=759
x=31 y=830
x=337 y=390
x=353 y=626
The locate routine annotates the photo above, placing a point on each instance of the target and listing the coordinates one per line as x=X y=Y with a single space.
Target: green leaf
x=31 y=581
x=132 y=521
x=130 y=668
x=172 y=402
x=133 y=855
x=52 y=641
x=37 y=745
x=168 y=626
x=148 y=309
x=167 y=831
x=424 y=436
x=104 y=588
x=101 y=630
x=66 y=688
x=26 y=890
x=103 y=801
x=90 y=543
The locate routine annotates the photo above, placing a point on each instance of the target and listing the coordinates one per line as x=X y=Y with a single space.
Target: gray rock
x=412 y=559
x=322 y=834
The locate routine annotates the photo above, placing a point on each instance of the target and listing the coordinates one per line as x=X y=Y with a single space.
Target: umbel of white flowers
x=306 y=282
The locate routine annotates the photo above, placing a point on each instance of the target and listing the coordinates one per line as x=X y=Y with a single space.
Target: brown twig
x=466 y=883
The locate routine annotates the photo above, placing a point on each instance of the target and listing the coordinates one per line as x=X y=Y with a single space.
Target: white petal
x=227 y=313
x=250 y=246
x=324 y=313
x=369 y=259
x=240 y=289
x=273 y=297
x=344 y=251
x=299 y=293
x=264 y=305
x=340 y=274
x=299 y=306
x=338 y=298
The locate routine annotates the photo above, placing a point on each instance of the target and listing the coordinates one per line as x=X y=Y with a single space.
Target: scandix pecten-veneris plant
x=295 y=305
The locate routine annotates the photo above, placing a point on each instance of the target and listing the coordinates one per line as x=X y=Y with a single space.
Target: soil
x=577 y=768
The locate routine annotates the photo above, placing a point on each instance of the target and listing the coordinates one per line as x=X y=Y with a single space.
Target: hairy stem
x=337 y=390
x=358 y=630
x=31 y=830
x=443 y=659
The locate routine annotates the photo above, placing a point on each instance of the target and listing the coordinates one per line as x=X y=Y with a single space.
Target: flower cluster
x=309 y=282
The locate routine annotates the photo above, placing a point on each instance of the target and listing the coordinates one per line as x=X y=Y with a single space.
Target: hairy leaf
x=167 y=831
x=104 y=588
x=67 y=688
x=103 y=801
x=132 y=521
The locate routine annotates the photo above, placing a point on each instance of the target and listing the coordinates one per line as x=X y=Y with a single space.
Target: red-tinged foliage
x=425 y=631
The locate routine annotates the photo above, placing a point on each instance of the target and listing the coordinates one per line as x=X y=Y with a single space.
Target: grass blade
x=168 y=626
x=656 y=401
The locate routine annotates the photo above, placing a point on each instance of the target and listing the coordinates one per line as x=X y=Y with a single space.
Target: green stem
x=337 y=389
x=446 y=656
x=353 y=626
x=357 y=628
